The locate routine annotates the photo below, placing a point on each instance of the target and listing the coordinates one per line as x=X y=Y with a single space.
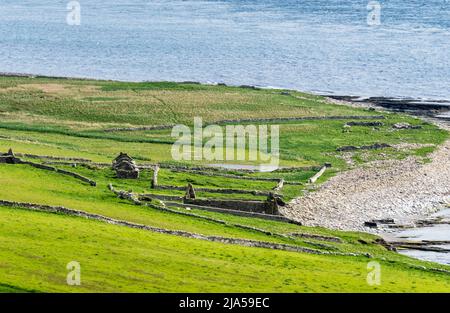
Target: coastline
x=431 y=107
x=402 y=190
x=387 y=169
x=54 y=189
x=406 y=193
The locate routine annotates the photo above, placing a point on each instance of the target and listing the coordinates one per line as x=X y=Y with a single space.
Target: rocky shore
x=402 y=190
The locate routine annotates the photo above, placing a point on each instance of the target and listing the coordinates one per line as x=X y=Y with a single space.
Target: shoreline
x=355 y=191
x=379 y=103
x=439 y=107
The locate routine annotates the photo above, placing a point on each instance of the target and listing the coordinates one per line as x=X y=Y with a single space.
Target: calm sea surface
x=321 y=46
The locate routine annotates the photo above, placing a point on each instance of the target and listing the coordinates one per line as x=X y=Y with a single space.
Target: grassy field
x=68 y=118
x=36 y=248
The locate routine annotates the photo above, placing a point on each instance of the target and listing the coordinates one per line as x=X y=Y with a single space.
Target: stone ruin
x=190 y=192
x=125 y=166
x=9 y=158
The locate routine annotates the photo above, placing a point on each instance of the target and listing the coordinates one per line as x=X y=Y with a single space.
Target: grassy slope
x=50 y=115
x=37 y=246
x=66 y=118
x=54 y=189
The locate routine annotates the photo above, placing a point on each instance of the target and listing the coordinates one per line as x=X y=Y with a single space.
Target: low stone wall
x=142 y=128
x=257 y=120
x=278 y=218
x=127 y=195
x=366 y=124
x=5 y=159
x=137 y=200
x=57 y=170
x=316 y=176
x=369 y=147
x=209 y=173
x=238 y=205
x=279 y=186
x=213 y=174
x=305 y=118
x=49 y=157
x=149 y=196
x=77 y=176
x=225 y=240
x=317 y=237
x=169 y=187
x=234 y=191
x=222 y=191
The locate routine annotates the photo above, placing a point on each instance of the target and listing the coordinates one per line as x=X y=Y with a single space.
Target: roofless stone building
x=9 y=158
x=125 y=167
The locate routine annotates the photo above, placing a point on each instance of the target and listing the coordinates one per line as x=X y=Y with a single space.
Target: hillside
x=138 y=237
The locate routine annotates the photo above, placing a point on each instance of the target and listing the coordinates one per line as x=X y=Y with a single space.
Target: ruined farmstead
x=125 y=166
x=9 y=158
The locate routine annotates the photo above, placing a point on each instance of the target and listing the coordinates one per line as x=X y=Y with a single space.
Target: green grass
x=36 y=248
x=149 y=103
x=60 y=190
x=56 y=189
x=67 y=118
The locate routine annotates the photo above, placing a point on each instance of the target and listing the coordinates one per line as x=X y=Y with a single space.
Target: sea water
x=323 y=46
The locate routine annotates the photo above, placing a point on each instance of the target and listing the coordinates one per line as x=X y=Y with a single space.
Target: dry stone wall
x=225 y=240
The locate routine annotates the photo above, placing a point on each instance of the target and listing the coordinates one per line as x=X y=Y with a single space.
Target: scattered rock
x=369 y=147
x=371 y=224
x=405 y=126
x=384 y=189
x=385 y=221
x=369 y=124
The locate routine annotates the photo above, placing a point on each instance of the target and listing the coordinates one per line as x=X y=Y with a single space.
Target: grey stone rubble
x=405 y=126
x=375 y=146
x=366 y=124
x=128 y=195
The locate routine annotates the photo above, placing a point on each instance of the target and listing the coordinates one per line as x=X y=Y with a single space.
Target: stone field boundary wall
x=60 y=171
x=225 y=240
x=264 y=207
x=255 y=120
x=213 y=190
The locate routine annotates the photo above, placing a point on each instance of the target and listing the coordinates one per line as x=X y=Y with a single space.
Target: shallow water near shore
x=431 y=233
x=323 y=46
